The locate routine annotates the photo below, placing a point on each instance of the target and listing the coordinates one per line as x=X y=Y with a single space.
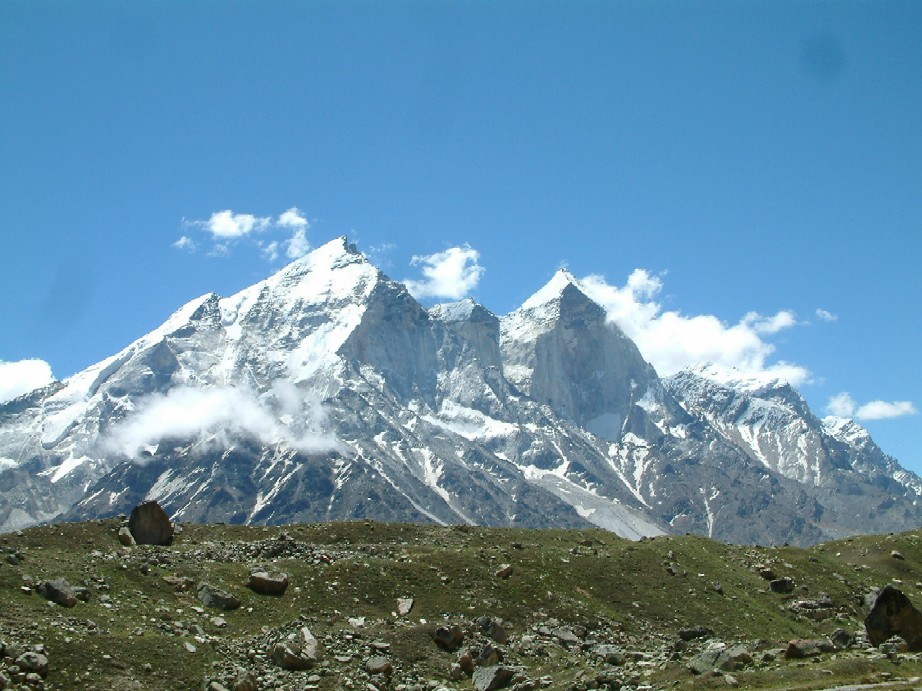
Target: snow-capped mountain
x=860 y=488
x=327 y=392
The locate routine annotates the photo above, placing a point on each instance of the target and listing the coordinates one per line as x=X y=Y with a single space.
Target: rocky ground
x=369 y=606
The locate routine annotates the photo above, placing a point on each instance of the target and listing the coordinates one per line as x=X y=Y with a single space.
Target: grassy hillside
x=580 y=609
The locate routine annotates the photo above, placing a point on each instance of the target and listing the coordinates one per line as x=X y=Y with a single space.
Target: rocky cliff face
x=327 y=392
x=859 y=487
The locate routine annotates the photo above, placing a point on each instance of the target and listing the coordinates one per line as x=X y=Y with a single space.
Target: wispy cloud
x=843 y=405
x=670 y=340
x=21 y=377
x=222 y=415
x=451 y=274
x=226 y=229
x=825 y=315
x=185 y=243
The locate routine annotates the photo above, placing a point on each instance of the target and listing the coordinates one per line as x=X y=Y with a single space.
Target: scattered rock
x=720 y=657
x=299 y=651
x=32 y=662
x=842 y=639
x=379 y=665
x=58 y=591
x=504 y=571
x=492 y=628
x=799 y=649
x=449 y=638
x=265 y=583
x=404 y=606
x=765 y=572
x=149 y=524
x=893 y=646
x=491 y=678
x=611 y=654
x=210 y=596
x=892 y=614
x=695 y=632
x=782 y=585
x=896 y=554
x=125 y=537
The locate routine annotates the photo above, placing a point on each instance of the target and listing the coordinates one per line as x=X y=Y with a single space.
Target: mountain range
x=327 y=392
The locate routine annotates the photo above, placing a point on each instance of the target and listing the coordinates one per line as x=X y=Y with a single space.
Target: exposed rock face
x=349 y=399
x=149 y=524
x=892 y=614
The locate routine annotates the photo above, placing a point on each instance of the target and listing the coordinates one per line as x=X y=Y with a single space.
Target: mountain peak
x=734 y=378
x=552 y=291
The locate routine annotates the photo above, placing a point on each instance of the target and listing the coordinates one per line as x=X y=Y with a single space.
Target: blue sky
x=758 y=161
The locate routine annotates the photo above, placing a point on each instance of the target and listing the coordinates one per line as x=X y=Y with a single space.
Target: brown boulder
x=149 y=524
x=892 y=614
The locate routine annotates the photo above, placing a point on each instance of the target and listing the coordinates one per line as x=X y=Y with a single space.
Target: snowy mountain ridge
x=327 y=392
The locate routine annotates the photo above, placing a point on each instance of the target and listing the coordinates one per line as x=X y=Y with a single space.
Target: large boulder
x=299 y=651
x=58 y=591
x=892 y=614
x=211 y=596
x=149 y=524
x=266 y=583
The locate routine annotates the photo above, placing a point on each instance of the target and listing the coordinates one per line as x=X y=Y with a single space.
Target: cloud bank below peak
x=221 y=415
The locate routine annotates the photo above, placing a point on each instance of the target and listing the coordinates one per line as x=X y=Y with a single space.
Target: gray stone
x=379 y=665
x=611 y=654
x=842 y=639
x=210 y=596
x=492 y=628
x=265 y=583
x=299 y=651
x=492 y=678
x=33 y=662
x=149 y=524
x=58 y=591
x=404 y=605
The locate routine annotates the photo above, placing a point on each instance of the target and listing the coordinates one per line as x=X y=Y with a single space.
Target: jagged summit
x=553 y=291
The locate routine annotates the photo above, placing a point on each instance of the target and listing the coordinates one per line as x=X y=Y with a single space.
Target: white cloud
x=293 y=218
x=670 y=340
x=784 y=319
x=227 y=229
x=226 y=225
x=297 y=246
x=450 y=274
x=185 y=243
x=21 y=377
x=843 y=405
x=825 y=315
x=221 y=415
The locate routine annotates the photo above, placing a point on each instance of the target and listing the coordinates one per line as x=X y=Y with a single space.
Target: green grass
x=615 y=587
